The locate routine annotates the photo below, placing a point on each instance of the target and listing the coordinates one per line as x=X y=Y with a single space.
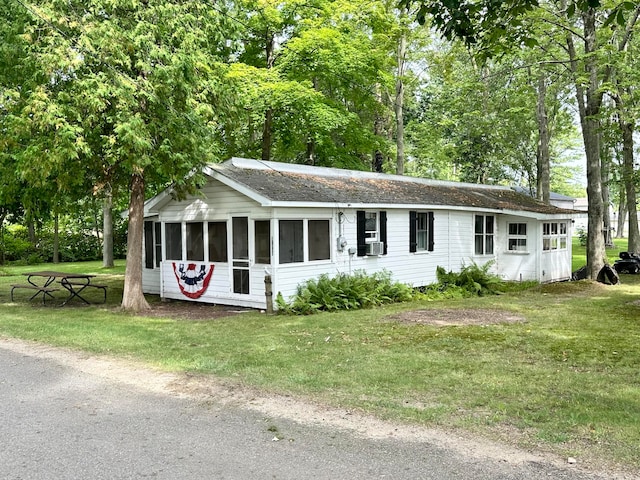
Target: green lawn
x=579 y=258
x=566 y=379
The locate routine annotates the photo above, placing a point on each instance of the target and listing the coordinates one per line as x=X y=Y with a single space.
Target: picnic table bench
x=45 y=291
x=73 y=283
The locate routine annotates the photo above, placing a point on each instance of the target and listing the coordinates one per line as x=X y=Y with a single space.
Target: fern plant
x=474 y=279
x=345 y=292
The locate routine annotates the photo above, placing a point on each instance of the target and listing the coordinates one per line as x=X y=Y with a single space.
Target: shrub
x=15 y=243
x=345 y=292
x=471 y=280
x=582 y=236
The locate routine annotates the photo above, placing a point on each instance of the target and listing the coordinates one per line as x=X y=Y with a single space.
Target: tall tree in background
x=496 y=26
x=139 y=73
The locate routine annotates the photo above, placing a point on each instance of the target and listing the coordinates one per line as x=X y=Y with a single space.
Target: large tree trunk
x=267 y=126
x=589 y=102
x=133 y=298
x=2 y=253
x=31 y=228
x=630 y=187
x=543 y=189
x=379 y=130
x=622 y=210
x=56 y=237
x=605 y=172
x=399 y=104
x=107 y=229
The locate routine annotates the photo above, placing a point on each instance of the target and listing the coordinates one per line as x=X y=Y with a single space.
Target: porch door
x=240 y=260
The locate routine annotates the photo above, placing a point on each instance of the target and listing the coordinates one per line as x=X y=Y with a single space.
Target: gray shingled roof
x=303 y=184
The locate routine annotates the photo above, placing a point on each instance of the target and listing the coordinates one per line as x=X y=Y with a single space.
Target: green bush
x=345 y=292
x=471 y=280
x=76 y=245
x=582 y=236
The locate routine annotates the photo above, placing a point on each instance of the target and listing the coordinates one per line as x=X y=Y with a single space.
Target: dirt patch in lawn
x=457 y=316
x=179 y=310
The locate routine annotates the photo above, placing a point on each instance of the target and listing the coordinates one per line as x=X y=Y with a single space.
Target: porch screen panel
x=148 y=245
x=240 y=235
x=240 y=238
x=291 y=243
x=319 y=241
x=157 y=227
x=241 y=281
x=218 y=242
x=195 y=242
x=173 y=235
x=263 y=241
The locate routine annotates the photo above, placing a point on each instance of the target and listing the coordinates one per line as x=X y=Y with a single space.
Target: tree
x=132 y=86
x=495 y=27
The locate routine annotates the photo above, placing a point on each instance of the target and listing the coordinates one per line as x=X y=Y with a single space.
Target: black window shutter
x=430 y=232
x=360 y=234
x=383 y=231
x=413 y=231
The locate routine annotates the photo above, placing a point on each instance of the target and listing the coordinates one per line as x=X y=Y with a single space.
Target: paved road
x=58 y=422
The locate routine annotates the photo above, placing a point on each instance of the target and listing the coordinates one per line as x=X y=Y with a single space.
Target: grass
x=579 y=252
x=566 y=380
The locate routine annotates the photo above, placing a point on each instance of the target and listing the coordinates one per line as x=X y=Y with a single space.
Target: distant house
x=297 y=222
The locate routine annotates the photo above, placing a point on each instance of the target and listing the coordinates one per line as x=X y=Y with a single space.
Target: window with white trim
x=554 y=236
x=371 y=226
x=173 y=237
x=484 y=234
x=295 y=235
x=421 y=231
x=217 y=234
x=319 y=240
x=291 y=241
x=195 y=242
x=262 y=241
x=517 y=237
x=371 y=231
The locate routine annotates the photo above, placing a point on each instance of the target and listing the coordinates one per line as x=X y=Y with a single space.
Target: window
x=263 y=241
x=517 y=239
x=290 y=241
x=195 y=242
x=371 y=227
x=554 y=236
x=318 y=241
x=217 y=241
x=484 y=235
x=173 y=236
x=420 y=231
x=293 y=238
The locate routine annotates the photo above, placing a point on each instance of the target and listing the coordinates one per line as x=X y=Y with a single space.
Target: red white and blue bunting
x=193 y=280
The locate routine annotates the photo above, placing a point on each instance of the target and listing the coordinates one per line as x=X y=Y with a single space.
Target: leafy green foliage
x=472 y=280
x=78 y=243
x=345 y=292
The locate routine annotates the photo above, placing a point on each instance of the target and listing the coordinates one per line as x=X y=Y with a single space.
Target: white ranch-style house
x=296 y=222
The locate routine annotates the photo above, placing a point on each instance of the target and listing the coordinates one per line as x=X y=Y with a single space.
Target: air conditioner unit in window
x=375 y=248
